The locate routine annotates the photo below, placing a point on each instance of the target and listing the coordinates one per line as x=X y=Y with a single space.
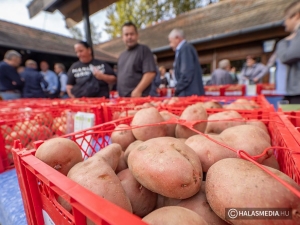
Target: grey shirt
x=220 y=77
x=258 y=70
x=132 y=65
x=288 y=51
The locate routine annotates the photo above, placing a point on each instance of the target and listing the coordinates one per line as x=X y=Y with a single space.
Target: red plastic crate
x=225 y=90
x=41 y=184
x=292 y=121
x=17 y=123
x=265 y=89
x=166 y=92
x=113 y=111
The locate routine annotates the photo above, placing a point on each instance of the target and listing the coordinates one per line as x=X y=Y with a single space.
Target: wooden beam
x=75 y=12
x=37 y=6
x=275 y=33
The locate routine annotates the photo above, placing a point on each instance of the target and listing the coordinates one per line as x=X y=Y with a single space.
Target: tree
x=146 y=12
x=78 y=34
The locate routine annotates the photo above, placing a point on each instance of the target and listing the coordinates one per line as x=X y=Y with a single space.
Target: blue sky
x=16 y=11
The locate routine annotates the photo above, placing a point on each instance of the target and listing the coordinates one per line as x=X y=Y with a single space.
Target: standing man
x=51 y=79
x=136 y=66
x=59 y=69
x=33 y=80
x=188 y=72
x=288 y=52
x=10 y=81
x=222 y=75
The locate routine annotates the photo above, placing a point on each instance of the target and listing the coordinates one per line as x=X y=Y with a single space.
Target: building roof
x=220 y=18
x=26 y=38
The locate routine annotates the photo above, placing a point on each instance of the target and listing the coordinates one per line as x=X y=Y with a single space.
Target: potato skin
x=96 y=175
x=144 y=117
x=192 y=113
x=170 y=127
x=174 y=215
x=142 y=200
x=130 y=148
x=59 y=153
x=218 y=126
x=122 y=165
x=166 y=166
x=271 y=162
x=198 y=203
x=237 y=183
x=111 y=154
x=208 y=151
x=239 y=137
x=122 y=137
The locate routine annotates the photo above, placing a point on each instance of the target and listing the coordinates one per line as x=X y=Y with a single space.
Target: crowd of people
x=137 y=73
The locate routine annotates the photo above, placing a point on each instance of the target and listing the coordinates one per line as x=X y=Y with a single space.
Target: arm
x=110 y=79
x=144 y=83
x=15 y=78
x=263 y=70
x=71 y=81
x=149 y=72
x=186 y=70
x=69 y=88
x=43 y=81
x=288 y=50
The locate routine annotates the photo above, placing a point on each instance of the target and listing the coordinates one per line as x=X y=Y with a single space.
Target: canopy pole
x=86 y=21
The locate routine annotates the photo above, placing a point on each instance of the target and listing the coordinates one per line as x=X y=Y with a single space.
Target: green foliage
x=146 y=12
x=77 y=33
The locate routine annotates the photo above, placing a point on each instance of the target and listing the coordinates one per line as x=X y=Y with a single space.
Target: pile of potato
x=155 y=169
x=41 y=127
x=130 y=109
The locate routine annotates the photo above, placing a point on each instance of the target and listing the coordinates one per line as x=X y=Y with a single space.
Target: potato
x=144 y=117
x=212 y=105
x=192 y=113
x=38 y=132
x=96 y=175
x=259 y=124
x=59 y=153
x=170 y=127
x=111 y=154
x=182 y=139
x=44 y=119
x=208 y=151
x=174 y=215
x=166 y=166
x=251 y=139
x=142 y=200
x=122 y=164
x=123 y=136
x=198 y=203
x=215 y=126
x=271 y=162
x=163 y=201
x=127 y=113
x=130 y=148
x=237 y=183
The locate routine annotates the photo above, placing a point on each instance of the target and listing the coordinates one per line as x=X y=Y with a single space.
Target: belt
x=11 y=91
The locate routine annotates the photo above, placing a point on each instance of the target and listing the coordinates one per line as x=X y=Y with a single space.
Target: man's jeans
x=10 y=95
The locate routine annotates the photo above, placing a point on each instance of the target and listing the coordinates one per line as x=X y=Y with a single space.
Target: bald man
x=33 y=80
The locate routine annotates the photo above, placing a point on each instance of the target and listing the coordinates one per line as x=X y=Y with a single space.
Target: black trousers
x=292 y=99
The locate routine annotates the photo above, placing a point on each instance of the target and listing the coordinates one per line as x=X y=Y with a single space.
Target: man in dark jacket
x=187 y=68
x=33 y=80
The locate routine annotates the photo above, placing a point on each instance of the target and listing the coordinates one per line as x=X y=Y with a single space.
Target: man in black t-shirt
x=136 y=66
x=89 y=77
